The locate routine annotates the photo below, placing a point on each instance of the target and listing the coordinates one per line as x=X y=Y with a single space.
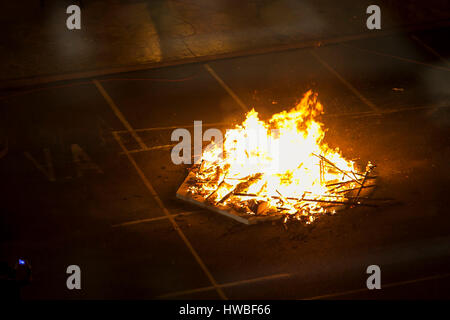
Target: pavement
x=125 y=35
x=87 y=178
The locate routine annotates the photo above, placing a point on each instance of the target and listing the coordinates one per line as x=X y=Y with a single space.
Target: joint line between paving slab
x=226 y=87
x=171 y=219
x=345 y=82
x=119 y=114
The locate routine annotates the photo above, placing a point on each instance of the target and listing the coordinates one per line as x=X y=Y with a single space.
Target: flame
x=281 y=166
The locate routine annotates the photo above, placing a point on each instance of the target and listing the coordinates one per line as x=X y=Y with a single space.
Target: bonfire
x=281 y=168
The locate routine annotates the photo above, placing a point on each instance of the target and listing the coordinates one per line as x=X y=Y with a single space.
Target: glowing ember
x=278 y=168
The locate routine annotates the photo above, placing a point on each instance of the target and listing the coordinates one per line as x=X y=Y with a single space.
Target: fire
x=279 y=167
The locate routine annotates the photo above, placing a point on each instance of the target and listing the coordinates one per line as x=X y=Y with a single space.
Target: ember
x=277 y=169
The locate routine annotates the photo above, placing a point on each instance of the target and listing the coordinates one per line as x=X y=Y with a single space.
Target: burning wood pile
x=277 y=169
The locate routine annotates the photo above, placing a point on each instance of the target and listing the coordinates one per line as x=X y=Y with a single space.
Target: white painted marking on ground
x=165 y=146
x=48 y=170
x=398 y=58
x=345 y=82
x=171 y=219
x=119 y=114
x=82 y=161
x=133 y=222
x=225 y=285
x=430 y=49
x=389 y=285
x=226 y=87
x=345 y=114
x=176 y=127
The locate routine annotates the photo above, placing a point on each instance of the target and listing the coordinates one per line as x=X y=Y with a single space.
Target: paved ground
x=87 y=178
x=119 y=34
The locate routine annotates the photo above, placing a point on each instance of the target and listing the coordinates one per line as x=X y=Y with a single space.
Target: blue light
x=21 y=261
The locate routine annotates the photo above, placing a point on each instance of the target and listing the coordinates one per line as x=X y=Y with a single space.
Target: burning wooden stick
x=248 y=181
x=335 y=166
x=305 y=200
x=368 y=170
